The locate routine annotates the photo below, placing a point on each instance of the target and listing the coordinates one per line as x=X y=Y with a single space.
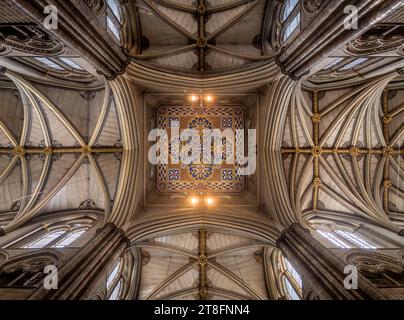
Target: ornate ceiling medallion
x=200 y=176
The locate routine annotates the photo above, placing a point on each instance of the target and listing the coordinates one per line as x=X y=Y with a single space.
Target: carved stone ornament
x=145 y=257
x=373 y=261
x=374 y=44
x=311 y=6
x=88 y=205
x=29 y=39
x=97 y=6
x=87 y=95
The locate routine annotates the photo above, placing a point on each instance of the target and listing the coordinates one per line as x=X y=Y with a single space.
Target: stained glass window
x=291 y=27
x=49 y=63
x=288 y=9
x=354 y=63
x=346 y=240
x=71 y=63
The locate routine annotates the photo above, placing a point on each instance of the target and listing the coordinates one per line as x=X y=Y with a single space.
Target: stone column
x=321 y=270
x=77 y=275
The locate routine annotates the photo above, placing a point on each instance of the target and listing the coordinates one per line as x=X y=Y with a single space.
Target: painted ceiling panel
x=110 y=133
x=222 y=281
x=252 y=22
x=35 y=134
x=82 y=186
x=217 y=60
x=247 y=265
x=188 y=241
x=11 y=189
x=185 y=60
x=162 y=265
x=212 y=177
x=183 y=19
x=11 y=111
x=60 y=166
x=158 y=32
x=186 y=282
x=218 y=241
x=218 y=20
x=110 y=165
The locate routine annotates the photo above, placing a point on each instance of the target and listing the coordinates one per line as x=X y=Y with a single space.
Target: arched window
x=114 y=19
x=290 y=18
x=59 y=238
x=21 y=278
x=69 y=238
x=71 y=63
x=59 y=64
x=49 y=63
x=333 y=63
x=345 y=63
x=115 y=293
x=114 y=282
x=25 y=270
x=288 y=8
x=292 y=280
x=347 y=240
x=354 y=63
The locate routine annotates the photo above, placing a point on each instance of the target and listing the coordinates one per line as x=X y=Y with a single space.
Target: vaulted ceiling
x=201 y=36
x=201 y=265
x=342 y=152
x=330 y=144
x=60 y=150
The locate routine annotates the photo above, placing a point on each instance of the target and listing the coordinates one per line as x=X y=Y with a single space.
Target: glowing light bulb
x=210 y=201
x=194 y=98
x=194 y=201
x=209 y=98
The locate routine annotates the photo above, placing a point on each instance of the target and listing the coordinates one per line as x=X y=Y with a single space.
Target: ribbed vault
x=74 y=144
x=60 y=150
x=200 y=36
x=339 y=153
x=202 y=265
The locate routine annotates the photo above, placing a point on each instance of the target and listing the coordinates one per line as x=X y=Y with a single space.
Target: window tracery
x=114 y=282
x=347 y=240
x=114 y=19
x=59 y=64
x=383 y=270
x=59 y=238
x=26 y=270
x=61 y=67
x=53 y=235
x=291 y=17
x=291 y=280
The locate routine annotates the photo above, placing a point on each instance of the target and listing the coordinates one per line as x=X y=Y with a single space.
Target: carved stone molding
x=88 y=204
x=98 y=6
x=373 y=45
x=400 y=50
x=311 y=6
x=373 y=261
x=375 y=42
x=145 y=257
x=87 y=95
x=29 y=39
